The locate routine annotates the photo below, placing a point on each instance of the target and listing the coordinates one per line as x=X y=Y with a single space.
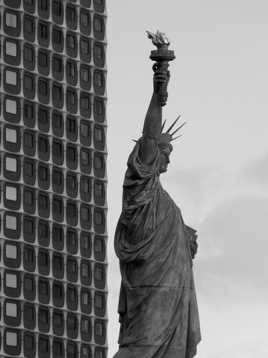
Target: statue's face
x=164 y=159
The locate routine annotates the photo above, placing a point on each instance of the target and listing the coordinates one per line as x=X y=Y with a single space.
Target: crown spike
x=173 y=124
x=176 y=130
x=176 y=137
x=163 y=125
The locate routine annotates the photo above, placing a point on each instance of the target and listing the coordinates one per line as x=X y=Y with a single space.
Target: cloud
x=234 y=240
x=255 y=173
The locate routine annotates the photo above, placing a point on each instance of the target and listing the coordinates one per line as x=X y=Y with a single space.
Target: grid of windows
x=53 y=192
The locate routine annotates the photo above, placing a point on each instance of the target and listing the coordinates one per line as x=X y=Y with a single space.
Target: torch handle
x=161 y=67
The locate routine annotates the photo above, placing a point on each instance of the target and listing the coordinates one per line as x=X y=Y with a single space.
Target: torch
x=161 y=56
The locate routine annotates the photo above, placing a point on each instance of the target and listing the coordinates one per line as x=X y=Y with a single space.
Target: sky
x=218 y=173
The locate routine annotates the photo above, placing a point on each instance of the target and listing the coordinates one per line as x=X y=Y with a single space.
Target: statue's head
x=165 y=145
x=165 y=150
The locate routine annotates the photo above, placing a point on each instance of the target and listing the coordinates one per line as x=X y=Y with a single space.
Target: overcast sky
x=218 y=173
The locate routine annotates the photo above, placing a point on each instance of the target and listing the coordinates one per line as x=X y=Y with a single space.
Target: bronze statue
x=157 y=309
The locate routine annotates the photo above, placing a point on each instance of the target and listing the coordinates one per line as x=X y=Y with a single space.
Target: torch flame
x=158 y=39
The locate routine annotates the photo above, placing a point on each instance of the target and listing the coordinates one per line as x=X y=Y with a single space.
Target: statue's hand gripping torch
x=161 y=56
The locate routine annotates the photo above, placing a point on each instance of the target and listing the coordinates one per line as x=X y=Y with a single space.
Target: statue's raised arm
x=152 y=135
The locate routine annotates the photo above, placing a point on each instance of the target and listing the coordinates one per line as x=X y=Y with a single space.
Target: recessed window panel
x=58 y=293
x=11 y=163
x=100 y=331
x=57 y=39
x=11 y=19
x=29 y=200
x=71 y=16
x=85 y=132
x=71 y=100
x=99 y=165
x=11 y=222
x=71 y=184
x=29 y=315
x=100 y=303
x=29 y=113
x=58 y=322
x=85 y=77
x=29 y=171
x=85 y=49
x=85 y=21
x=57 y=237
x=72 y=297
x=99 y=27
x=43 y=33
x=58 y=208
x=57 y=67
x=99 y=109
x=72 y=325
x=11 y=48
x=99 y=220
x=72 y=350
x=72 y=240
x=85 y=272
x=43 y=116
x=85 y=160
x=99 y=248
x=85 y=216
x=99 y=192
x=29 y=5
x=85 y=300
x=85 y=188
x=71 y=213
x=43 y=233
x=72 y=269
x=11 y=77
x=43 y=290
x=11 y=251
x=85 y=104
x=11 y=280
x=58 y=265
x=29 y=228
x=11 y=135
x=29 y=28
x=71 y=72
x=71 y=156
x=85 y=244
x=11 y=308
x=85 y=327
x=44 y=8
x=29 y=344
x=57 y=95
x=43 y=62
x=28 y=56
x=43 y=346
x=99 y=276
x=11 y=107
x=71 y=44
x=12 y=341
x=57 y=11
x=99 y=5
x=57 y=180
x=29 y=287
x=99 y=54
x=57 y=123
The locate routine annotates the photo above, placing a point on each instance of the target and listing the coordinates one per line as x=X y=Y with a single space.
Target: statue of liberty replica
x=157 y=308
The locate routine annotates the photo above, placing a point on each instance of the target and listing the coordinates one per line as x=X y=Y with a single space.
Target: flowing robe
x=157 y=304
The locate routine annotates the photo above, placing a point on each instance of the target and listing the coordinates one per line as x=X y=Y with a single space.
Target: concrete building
x=53 y=179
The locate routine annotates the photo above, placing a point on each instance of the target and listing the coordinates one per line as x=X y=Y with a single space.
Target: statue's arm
x=153 y=121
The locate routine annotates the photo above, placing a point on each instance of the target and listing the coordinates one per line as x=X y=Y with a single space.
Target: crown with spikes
x=167 y=137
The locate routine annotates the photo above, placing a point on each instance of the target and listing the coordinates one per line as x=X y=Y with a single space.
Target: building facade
x=53 y=179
